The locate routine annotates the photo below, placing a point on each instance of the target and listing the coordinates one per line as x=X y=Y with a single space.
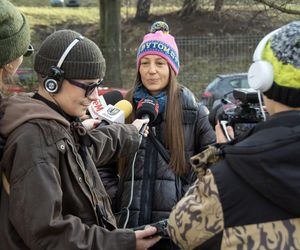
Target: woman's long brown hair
x=174 y=137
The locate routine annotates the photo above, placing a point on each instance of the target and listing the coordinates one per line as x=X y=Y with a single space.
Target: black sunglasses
x=29 y=51
x=89 y=88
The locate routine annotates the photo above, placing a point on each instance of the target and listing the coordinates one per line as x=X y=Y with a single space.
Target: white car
x=57 y=3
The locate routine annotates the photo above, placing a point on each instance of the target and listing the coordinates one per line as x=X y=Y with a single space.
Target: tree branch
x=278 y=7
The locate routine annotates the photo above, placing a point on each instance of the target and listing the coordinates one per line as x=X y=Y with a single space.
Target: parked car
x=72 y=3
x=221 y=85
x=103 y=90
x=57 y=3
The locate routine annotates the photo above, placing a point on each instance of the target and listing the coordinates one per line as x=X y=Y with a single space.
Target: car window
x=213 y=84
x=235 y=83
x=245 y=83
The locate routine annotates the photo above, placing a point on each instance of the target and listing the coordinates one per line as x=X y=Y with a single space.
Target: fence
x=201 y=59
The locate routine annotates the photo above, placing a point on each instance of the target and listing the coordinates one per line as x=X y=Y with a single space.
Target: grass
x=83 y=15
x=46 y=3
x=52 y=16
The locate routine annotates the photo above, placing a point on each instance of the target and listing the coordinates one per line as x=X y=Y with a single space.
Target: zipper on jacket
x=148 y=184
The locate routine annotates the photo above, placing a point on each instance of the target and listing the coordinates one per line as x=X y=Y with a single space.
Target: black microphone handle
x=103 y=123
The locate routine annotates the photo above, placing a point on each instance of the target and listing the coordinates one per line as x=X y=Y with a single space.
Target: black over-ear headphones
x=54 y=80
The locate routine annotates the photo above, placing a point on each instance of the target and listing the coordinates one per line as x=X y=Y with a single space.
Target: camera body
x=244 y=112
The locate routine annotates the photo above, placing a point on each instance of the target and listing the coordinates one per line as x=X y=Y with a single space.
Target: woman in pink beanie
x=151 y=183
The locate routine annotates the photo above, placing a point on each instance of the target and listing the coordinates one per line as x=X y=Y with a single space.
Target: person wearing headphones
x=248 y=190
x=53 y=197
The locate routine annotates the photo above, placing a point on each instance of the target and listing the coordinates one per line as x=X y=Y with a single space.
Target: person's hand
x=90 y=124
x=139 y=123
x=84 y=117
x=144 y=239
x=221 y=138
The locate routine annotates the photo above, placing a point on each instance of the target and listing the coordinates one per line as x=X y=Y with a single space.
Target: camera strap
x=159 y=147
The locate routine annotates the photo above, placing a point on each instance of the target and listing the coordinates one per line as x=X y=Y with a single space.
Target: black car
x=222 y=85
x=73 y=3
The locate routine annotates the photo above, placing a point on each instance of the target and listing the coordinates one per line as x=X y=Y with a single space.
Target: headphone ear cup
x=261 y=75
x=54 y=81
x=51 y=85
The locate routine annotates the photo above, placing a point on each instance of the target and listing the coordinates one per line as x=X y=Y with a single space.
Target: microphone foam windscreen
x=147 y=107
x=112 y=97
x=125 y=106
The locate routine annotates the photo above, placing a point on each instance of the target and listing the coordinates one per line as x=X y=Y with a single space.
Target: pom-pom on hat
x=283 y=52
x=160 y=42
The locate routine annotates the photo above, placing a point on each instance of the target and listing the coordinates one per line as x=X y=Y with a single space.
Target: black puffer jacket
x=156 y=187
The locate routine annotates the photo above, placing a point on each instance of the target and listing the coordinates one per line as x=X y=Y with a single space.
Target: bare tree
x=110 y=39
x=281 y=7
x=143 y=10
x=188 y=7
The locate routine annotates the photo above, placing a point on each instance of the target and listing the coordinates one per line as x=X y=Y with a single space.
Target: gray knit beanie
x=84 y=61
x=14 y=33
x=283 y=52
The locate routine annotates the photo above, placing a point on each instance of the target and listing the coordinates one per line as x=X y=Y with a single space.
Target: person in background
x=181 y=128
x=53 y=197
x=14 y=42
x=248 y=190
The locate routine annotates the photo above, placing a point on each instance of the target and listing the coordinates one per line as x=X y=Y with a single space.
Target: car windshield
x=245 y=83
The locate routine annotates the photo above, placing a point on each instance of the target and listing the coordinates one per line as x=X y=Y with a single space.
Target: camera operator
x=53 y=197
x=247 y=193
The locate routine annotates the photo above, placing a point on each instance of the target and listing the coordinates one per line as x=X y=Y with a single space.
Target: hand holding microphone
x=147 y=108
x=94 y=119
x=141 y=125
x=109 y=98
x=115 y=114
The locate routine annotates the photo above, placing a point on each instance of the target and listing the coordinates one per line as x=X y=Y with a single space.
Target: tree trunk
x=188 y=7
x=110 y=40
x=218 y=5
x=142 y=10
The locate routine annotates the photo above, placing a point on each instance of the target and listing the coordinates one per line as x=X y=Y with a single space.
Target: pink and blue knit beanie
x=160 y=42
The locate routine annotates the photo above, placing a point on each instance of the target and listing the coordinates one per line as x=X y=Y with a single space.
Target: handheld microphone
x=115 y=114
x=96 y=106
x=147 y=108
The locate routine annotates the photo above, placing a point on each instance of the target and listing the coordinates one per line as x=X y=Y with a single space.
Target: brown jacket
x=55 y=200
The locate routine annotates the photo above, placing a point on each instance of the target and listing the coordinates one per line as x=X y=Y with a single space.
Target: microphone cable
x=131 y=187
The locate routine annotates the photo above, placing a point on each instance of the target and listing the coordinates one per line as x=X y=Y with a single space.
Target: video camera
x=243 y=112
